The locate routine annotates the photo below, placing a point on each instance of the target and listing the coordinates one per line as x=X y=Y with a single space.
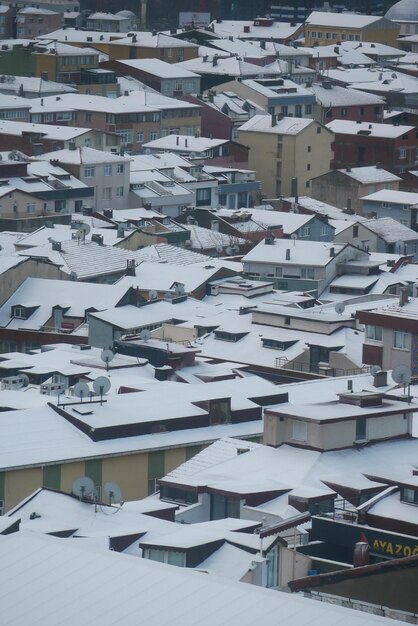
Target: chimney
x=287 y=254
x=403 y=296
x=186 y=143
x=72 y=146
x=214 y=61
x=263 y=44
x=130 y=267
x=380 y=378
x=332 y=251
x=177 y=140
x=246 y=29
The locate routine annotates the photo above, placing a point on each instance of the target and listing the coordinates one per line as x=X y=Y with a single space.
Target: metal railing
x=320 y=370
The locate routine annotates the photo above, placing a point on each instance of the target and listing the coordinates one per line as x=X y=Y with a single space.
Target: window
x=314 y=34
x=182 y=496
x=308 y=109
x=374 y=333
x=402 y=153
x=355 y=231
x=140 y=137
x=88 y=116
x=324 y=230
x=166 y=556
x=125 y=136
x=120 y=168
x=64 y=115
x=298 y=110
x=361 y=428
x=361 y=110
x=203 y=196
x=299 y=431
x=107 y=169
x=89 y=171
x=51 y=476
x=309 y=148
x=223 y=506
x=220 y=411
x=30 y=207
x=308 y=167
x=409 y=495
x=156 y=469
x=344 y=112
x=308 y=273
x=305 y=232
x=120 y=192
x=401 y=340
x=19 y=312
x=284 y=110
x=107 y=193
x=318 y=130
x=328 y=35
x=153 y=135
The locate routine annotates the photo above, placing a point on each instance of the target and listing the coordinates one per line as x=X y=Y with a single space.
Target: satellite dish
x=402 y=375
x=179 y=290
x=83 y=487
x=101 y=385
x=81 y=390
x=219 y=249
x=107 y=356
x=84 y=229
x=374 y=369
x=113 y=492
x=153 y=294
x=293 y=236
x=145 y=335
x=24 y=381
x=339 y=308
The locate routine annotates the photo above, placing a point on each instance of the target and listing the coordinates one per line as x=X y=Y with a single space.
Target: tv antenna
x=81 y=390
x=101 y=386
x=113 y=492
x=107 y=356
x=83 y=487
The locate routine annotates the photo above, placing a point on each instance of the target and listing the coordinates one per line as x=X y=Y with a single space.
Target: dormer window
x=409 y=495
x=224 y=335
x=275 y=344
x=20 y=312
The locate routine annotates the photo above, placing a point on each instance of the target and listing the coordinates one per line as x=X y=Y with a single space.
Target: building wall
x=399 y=212
x=34 y=24
x=131 y=471
x=359 y=150
x=383 y=31
x=14 y=277
x=333 y=436
x=279 y=158
x=339 y=190
x=169 y=55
